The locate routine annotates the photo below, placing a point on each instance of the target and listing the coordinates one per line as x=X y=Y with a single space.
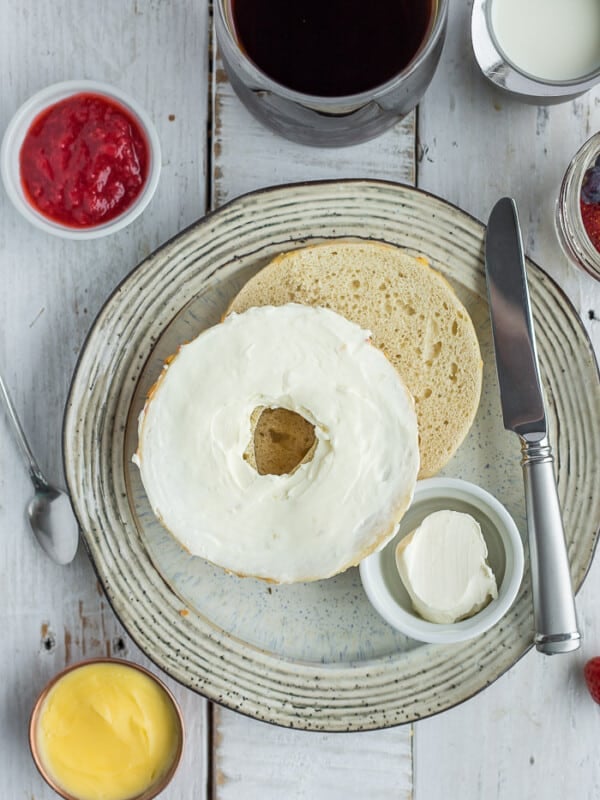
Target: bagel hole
x=281 y=441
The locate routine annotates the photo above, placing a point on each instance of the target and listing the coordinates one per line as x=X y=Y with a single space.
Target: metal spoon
x=49 y=511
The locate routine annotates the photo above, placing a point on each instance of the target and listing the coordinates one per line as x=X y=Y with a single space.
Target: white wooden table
x=533 y=734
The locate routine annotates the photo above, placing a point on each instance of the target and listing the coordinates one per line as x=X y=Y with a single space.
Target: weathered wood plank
x=535 y=732
x=51 y=290
x=253 y=759
x=247 y=156
x=258 y=761
x=477 y=144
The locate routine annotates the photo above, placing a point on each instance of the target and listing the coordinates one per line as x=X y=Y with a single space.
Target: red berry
x=591 y=672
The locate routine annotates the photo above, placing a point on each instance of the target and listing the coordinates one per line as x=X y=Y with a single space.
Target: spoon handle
x=34 y=470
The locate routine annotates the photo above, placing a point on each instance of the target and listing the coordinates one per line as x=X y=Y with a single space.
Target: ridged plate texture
x=312 y=656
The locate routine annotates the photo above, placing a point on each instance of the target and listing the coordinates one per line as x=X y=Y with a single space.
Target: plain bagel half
x=415 y=318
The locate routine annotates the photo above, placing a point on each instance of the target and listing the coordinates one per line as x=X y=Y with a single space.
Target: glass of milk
x=543 y=51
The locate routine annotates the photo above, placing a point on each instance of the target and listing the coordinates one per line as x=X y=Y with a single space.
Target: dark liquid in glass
x=331 y=48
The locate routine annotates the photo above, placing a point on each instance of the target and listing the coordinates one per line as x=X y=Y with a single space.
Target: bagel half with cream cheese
x=353 y=484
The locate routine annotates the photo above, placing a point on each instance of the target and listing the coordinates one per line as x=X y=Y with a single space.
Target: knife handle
x=553 y=603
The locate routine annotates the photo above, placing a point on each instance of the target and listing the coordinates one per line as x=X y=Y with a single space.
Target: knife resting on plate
x=524 y=413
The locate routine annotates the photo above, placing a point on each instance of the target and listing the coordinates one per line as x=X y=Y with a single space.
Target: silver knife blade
x=512 y=326
x=555 y=617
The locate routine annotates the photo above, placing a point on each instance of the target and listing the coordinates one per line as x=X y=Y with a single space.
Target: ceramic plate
x=313 y=656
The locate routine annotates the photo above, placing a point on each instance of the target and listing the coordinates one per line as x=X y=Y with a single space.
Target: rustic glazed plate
x=313 y=656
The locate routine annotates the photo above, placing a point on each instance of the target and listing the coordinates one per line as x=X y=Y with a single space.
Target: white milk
x=555 y=40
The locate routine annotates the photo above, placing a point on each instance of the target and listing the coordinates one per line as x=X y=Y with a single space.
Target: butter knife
x=524 y=413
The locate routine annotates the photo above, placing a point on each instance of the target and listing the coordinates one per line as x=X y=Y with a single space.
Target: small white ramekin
x=17 y=130
x=383 y=585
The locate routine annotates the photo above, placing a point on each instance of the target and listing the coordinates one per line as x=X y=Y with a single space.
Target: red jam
x=590 y=216
x=83 y=161
x=589 y=203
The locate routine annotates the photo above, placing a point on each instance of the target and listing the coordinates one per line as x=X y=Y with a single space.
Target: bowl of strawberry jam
x=80 y=159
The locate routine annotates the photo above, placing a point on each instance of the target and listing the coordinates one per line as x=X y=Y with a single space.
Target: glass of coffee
x=330 y=72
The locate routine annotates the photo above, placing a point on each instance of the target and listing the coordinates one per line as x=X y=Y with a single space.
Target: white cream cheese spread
x=443 y=567
x=327 y=514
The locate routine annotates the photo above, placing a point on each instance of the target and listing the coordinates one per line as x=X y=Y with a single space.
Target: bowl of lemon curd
x=106 y=730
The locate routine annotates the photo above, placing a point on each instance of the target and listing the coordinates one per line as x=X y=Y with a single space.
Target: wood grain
x=252 y=759
x=534 y=733
x=247 y=156
x=492 y=145
x=51 y=290
x=257 y=761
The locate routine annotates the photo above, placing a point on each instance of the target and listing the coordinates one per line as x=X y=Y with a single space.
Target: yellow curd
x=107 y=731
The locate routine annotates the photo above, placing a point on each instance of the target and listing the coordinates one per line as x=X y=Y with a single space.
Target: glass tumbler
x=323 y=120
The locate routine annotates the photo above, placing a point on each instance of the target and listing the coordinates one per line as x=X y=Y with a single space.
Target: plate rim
x=369 y=724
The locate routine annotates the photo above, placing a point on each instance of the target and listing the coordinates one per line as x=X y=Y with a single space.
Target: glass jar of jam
x=578 y=208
